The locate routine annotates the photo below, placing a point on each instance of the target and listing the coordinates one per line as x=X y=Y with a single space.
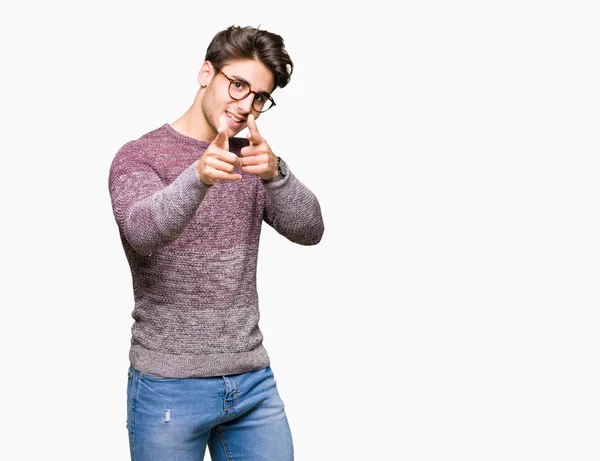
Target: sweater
x=193 y=250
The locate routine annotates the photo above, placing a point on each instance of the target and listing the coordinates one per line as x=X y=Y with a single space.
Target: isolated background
x=451 y=310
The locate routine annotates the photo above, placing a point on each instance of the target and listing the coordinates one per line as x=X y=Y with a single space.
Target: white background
x=451 y=309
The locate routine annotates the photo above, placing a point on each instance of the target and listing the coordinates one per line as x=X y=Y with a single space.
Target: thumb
x=222 y=139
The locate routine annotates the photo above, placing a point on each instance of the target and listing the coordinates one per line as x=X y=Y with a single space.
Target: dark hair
x=237 y=42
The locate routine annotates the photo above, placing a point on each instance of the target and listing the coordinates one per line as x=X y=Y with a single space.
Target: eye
x=239 y=86
x=261 y=98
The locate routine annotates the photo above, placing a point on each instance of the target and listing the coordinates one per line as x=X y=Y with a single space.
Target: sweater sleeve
x=149 y=214
x=293 y=210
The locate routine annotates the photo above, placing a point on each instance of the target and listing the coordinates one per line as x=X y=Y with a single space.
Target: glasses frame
x=250 y=91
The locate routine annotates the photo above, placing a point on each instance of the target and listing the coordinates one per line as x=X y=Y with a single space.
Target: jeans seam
x=133 y=402
x=225 y=449
x=237 y=388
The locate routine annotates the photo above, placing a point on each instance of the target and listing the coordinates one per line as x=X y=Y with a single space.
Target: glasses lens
x=238 y=90
x=262 y=104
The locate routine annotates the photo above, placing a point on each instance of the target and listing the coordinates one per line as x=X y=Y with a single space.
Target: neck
x=193 y=123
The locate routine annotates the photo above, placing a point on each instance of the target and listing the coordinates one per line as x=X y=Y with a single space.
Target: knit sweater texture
x=193 y=250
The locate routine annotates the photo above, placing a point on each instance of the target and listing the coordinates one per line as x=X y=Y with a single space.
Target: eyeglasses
x=239 y=89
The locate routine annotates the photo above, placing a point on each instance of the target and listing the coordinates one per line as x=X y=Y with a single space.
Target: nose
x=245 y=105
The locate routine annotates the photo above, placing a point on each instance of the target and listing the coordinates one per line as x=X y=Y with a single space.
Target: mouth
x=235 y=121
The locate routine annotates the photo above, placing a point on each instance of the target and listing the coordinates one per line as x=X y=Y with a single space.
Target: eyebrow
x=243 y=80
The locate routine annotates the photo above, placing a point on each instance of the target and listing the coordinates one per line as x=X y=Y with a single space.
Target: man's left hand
x=258 y=158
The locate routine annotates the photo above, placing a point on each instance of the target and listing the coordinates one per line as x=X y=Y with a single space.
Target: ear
x=205 y=74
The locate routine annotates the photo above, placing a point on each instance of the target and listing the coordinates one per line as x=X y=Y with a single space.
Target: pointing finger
x=222 y=140
x=254 y=136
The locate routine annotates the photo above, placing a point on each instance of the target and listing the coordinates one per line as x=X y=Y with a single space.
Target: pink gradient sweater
x=193 y=249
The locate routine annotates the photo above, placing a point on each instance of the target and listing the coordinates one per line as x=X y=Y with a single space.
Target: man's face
x=217 y=101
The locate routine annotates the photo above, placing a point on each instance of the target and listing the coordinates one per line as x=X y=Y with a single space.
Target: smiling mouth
x=233 y=118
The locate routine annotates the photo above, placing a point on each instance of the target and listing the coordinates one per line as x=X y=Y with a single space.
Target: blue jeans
x=240 y=417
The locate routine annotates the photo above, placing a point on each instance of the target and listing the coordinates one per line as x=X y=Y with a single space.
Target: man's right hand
x=217 y=162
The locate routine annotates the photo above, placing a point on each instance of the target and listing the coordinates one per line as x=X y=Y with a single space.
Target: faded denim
x=240 y=417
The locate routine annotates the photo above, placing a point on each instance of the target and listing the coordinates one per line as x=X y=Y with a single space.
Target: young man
x=189 y=199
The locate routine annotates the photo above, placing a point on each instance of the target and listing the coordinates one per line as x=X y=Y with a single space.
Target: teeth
x=233 y=118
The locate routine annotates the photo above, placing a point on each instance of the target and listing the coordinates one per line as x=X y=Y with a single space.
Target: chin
x=236 y=132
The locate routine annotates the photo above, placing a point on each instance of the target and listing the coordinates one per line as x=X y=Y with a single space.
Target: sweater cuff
x=191 y=181
x=278 y=182
x=194 y=165
x=275 y=178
